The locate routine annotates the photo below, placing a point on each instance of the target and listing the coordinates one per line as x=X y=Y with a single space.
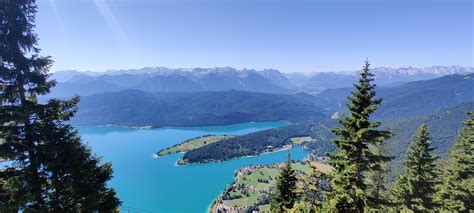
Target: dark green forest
x=138 y=108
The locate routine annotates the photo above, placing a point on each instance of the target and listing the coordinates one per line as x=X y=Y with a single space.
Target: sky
x=291 y=36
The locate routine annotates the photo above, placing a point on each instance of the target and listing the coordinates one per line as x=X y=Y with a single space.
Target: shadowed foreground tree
x=354 y=157
x=414 y=190
x=456 y=191
x=47 y=167
x=285 y=196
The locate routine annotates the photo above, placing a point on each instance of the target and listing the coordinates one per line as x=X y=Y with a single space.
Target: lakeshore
x=156 y=184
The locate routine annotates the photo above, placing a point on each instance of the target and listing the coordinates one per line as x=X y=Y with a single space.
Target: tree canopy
x=47 y=169
x=285 y=196
x=456 y=190
x=354 y=157
x=414 y=190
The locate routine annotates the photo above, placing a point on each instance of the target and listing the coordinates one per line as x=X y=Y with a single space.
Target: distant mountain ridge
x=384 y=76
x=162 y=79
x=170 y=80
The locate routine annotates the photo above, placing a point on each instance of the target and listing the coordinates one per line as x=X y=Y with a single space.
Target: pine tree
x=456 y=191
x=354 y=158
x=49 y=169
x=285 y=196
x=377 y=181
x=414 y=190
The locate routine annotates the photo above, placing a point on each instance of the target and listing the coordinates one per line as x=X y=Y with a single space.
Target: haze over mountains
x=161 y=79
x=139 y=108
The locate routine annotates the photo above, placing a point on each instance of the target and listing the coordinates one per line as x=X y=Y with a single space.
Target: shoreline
x=151 y=127
x=224 y=136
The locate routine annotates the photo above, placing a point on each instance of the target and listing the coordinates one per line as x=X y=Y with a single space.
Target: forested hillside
x=443 y=126
x=422 y=97
x=410 y=99
x=137 y=108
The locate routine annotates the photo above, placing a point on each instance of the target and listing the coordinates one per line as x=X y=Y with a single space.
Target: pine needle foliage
x=414 y=190
x=354 y=157
x=286 y=195
x=48 y=169
x=456 y=191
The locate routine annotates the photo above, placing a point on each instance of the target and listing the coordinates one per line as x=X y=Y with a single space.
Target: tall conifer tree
x=456 y=191
x=354 y=157
x=414 y=190
x=377 y=181
x=49 y=169
x=285 y=196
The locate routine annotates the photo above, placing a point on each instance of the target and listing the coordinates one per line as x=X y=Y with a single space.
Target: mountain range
x=161 y=79
x=139 y=108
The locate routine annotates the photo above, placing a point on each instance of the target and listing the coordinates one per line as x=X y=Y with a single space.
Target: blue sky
x=292 y=36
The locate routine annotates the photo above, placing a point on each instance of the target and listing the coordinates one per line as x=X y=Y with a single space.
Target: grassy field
x=251 y=197
x=264 y=208
x=322 y=167
x=267 y=174
x=253 y=187
x=300 y=140
x=193 y=143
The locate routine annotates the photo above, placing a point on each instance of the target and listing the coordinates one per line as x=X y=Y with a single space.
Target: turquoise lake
x=148 y=184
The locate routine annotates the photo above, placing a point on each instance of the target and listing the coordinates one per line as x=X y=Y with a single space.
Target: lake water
x=148 y=184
